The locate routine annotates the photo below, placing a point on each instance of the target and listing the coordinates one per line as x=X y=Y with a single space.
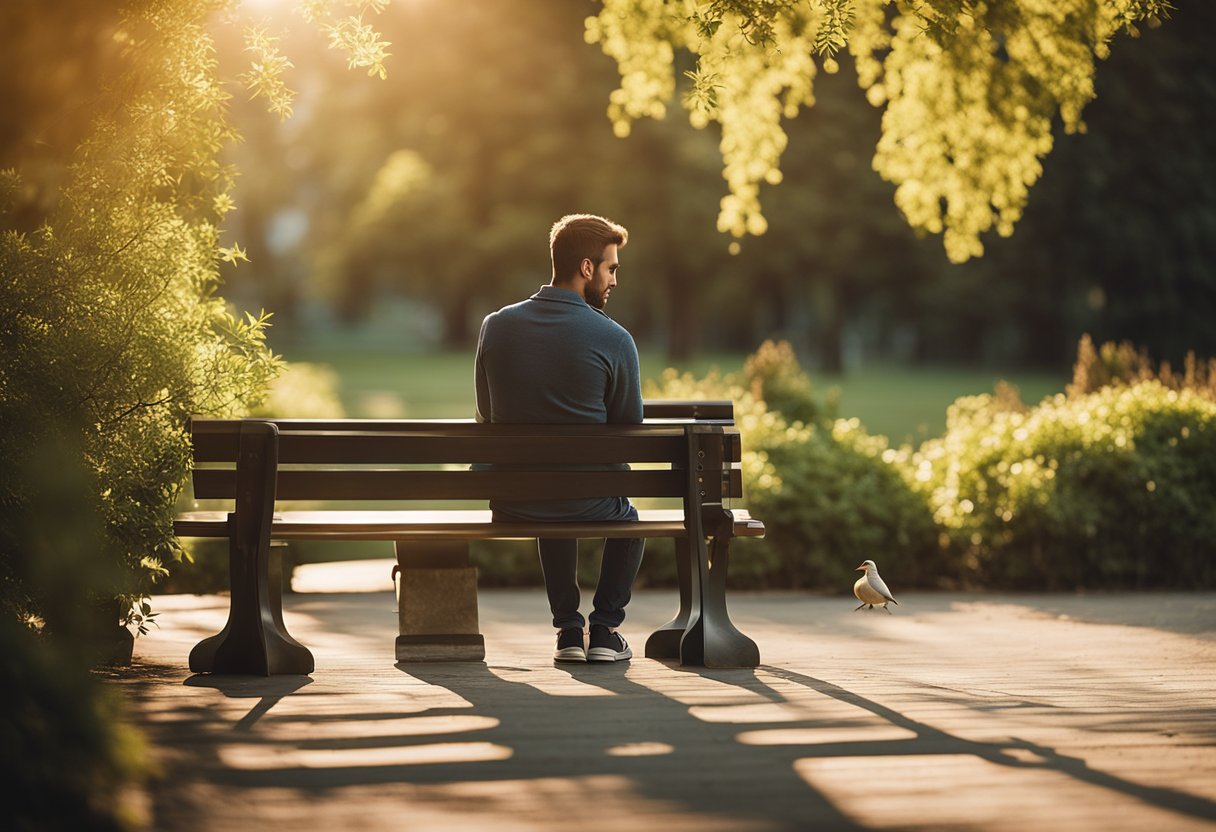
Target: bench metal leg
x=664 y=643
x=711 y=639
x=255 y=640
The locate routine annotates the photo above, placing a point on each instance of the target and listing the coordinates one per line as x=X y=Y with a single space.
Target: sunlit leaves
x=971 y=89
x=833 y=32
x=362 y=45
x=403 y=175
x=111 y=334
x=233 y=254
x=223 y=204
x=347 y=32
x=642 y=36
x=264 y=78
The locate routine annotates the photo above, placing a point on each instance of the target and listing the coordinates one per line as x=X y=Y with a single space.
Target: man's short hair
x=578 y=237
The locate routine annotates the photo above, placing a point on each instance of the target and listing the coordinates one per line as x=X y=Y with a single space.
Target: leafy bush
x=111 y=332
x=772 y=375
x=302 y=391
x=1122 y=364
x=830 y=494
x=68 y=757
x=1114 y=488
x=111 y=335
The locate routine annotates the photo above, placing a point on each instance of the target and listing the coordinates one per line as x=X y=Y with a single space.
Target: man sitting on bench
x=557 y=358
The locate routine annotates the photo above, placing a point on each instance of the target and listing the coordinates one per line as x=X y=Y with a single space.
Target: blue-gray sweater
x=553 y=359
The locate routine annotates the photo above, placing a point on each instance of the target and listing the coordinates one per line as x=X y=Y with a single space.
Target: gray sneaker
x=607 y=645
x=570 y=646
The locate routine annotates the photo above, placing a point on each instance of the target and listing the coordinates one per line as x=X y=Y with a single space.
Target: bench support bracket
x=255 y=641
x=708 y=637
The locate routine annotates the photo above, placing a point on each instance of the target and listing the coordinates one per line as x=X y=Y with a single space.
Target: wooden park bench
x=692 y=450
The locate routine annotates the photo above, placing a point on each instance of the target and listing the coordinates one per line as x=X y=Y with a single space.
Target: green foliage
x=302 y=391
x=830 y=494
x=67 y=758
x=264 y=77
x=412 y=229
x=349 y=33
x=1122 y=364
x=773 y=376
x=1110 y=488
x=111 y=330
x=65 y=754
x=453 y=172
x=111 y=336
x=1113 y=488
x=111 y=333
x=970 y=90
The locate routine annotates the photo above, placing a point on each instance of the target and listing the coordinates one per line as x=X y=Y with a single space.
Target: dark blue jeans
x=618 y=567
x=559 y=561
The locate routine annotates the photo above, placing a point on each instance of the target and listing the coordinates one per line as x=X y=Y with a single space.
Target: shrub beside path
x=977 y=712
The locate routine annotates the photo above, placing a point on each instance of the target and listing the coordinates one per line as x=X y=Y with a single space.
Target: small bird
x=871 y=590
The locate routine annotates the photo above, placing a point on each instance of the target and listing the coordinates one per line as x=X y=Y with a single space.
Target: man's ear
x=586 y=268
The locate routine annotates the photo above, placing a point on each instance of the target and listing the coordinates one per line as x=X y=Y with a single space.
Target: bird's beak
x=861 y=568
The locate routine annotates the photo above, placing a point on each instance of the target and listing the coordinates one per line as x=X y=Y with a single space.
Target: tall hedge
x=1114 y=488
x=829 y=494
x=1111 y=486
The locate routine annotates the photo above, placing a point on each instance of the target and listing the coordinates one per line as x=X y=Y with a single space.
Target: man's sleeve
x=483 y=410
x=624 y=398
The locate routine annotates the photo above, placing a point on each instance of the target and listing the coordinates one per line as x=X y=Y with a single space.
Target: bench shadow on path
x=629 y=731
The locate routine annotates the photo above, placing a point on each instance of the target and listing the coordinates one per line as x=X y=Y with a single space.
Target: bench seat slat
x=447 y=525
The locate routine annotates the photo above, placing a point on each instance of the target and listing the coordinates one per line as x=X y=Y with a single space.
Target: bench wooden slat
x=426 y=448
x=710 y=412
x=354 y=441
x=365 y=484
x=713 y=410
x=450 y=525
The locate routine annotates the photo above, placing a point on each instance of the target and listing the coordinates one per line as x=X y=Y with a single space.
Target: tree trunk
x=683 y=315
x=456 y=333
x=830 y=329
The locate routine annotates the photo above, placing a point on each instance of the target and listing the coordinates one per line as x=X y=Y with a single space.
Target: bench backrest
x=416 y=460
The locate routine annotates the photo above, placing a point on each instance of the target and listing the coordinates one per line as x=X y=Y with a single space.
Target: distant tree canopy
x=970 y=89
x=1115 y=239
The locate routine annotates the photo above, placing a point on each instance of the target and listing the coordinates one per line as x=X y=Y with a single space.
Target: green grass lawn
x=903 y=403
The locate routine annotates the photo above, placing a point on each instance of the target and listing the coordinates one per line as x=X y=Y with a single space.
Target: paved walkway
x=959 y=712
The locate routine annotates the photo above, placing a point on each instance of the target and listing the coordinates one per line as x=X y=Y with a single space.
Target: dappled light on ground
x=640 y=749
x=551 y=681
x=830 y=735
x=260 y=757
x=959 y=712
x=958 y=791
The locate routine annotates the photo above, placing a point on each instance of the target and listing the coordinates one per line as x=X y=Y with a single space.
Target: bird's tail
x=893 y=601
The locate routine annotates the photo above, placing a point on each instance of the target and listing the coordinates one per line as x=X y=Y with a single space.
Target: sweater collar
x=560 y=295
x=557 y=294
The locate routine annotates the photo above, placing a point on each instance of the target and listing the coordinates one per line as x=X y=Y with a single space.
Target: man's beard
x=595 y=299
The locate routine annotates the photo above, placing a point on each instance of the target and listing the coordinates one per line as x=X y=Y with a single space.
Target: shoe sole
x=607 y=654
x=570 y=654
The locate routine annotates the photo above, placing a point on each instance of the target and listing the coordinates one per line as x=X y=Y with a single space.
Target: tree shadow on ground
x=665 y=737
